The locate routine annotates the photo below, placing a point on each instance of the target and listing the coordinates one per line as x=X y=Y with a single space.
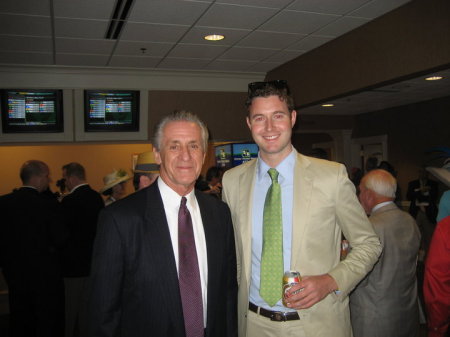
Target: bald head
x=376 y=187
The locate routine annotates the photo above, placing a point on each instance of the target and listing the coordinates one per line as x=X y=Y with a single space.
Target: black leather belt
x=278 y=316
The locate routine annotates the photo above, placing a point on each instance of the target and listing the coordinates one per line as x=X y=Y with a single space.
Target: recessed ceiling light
x=433 y=78
x=214 y=37
x=327 y=105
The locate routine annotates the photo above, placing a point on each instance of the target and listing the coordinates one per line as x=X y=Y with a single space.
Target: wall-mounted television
x=32 y=110
x=243 y=152
x=223 y=155
x=111 y=110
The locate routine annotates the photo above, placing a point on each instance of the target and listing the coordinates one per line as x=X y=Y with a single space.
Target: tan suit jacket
x=385 y=303
x=325 y=205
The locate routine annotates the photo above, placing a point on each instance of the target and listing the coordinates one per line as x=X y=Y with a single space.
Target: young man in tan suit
x=318 y=205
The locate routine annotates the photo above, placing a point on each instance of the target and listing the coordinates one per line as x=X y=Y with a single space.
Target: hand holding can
x=290 y=278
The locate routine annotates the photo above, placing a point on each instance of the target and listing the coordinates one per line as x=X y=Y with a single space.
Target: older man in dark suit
x=30 y=237
x=385 y=303
x=164 y=259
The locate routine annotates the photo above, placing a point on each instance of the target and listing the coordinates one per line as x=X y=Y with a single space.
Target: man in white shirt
x=139 y=283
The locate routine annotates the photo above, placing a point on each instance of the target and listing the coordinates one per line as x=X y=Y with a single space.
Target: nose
x=268 y=124
x=185 y=153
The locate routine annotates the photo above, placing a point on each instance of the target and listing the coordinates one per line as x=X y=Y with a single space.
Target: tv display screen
x=223 y=156
x=243 y=152
x=111 y=110
x=31 y=110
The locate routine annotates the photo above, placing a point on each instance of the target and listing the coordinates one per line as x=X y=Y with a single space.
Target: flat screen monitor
x=32 y=110
x=111 y=110
x=223 y=154
x=243 y=152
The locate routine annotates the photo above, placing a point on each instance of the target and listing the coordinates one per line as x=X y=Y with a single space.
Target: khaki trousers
x=260 y=326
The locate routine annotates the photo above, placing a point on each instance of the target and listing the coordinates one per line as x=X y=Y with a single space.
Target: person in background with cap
x=114 y=187
x=81 y=208
x=146 y=170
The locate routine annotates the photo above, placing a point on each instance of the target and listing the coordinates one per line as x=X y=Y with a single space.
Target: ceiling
x=168 y=35
x=408 y=91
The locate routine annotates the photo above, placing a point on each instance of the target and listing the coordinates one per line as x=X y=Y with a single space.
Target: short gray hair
x=180 y=116
x=381 y=182
x=75 y=170
x=32 y=168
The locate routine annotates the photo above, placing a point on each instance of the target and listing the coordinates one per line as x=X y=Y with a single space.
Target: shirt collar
x=73 y=189
x=285 y=168
x=172 y=198
x=377 y=207
x=28 y=186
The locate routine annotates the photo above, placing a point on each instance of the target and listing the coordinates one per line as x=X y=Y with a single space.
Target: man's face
x=271 y=122
x=44 y=180
x=68 y=181
x=147 y=180
x=181 y=155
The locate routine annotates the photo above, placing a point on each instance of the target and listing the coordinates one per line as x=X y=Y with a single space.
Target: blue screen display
x=243 y=152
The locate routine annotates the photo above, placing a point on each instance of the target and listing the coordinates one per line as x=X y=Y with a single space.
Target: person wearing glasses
x=310 y=204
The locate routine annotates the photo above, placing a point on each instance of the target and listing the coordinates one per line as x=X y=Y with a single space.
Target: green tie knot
x=273 y=173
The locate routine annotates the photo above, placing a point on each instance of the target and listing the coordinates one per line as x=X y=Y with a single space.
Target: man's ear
x=157 y=156
x=293 y=117
x=248 y=122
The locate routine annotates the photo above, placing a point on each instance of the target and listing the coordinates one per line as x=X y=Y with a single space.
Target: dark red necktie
x=189 y=275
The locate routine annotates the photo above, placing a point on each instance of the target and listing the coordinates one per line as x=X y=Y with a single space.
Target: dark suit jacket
x=431 y=198
x=134 y=283
x=81 y=209
x=31 y=233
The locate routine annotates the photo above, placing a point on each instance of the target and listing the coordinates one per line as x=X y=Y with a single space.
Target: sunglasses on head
x=277 y=84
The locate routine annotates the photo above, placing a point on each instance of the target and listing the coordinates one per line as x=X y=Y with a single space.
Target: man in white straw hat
x=114 y=187
x=146 y=170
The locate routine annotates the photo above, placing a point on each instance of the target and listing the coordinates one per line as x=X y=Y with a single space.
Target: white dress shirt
x=172 y=201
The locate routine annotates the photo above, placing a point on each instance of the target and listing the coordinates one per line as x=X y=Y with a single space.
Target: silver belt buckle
x=278 y=316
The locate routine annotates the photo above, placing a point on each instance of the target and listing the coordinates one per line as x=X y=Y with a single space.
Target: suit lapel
x=212 y=239
x=246 y=185
x=160 y=247
x=303 y=183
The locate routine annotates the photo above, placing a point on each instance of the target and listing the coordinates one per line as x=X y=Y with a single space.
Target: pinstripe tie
x=189 y=275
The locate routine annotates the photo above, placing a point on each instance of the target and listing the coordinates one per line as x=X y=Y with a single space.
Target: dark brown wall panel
x=409 y=40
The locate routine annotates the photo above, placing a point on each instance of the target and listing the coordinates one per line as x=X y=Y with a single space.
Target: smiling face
x=271 y=122
x=181 y=155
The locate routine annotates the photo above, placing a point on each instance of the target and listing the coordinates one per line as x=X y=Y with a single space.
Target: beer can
x=290 y=278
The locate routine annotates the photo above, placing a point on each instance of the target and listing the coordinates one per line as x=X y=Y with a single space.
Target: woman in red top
x=436 y=286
